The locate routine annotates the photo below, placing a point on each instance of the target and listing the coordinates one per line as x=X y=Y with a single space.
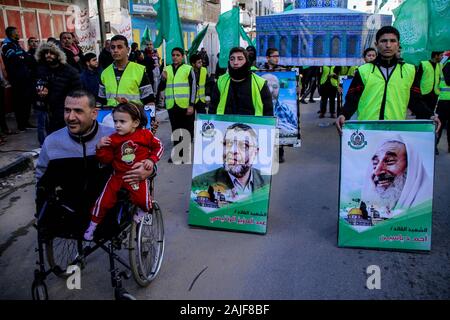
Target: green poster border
x=384 y=125
x=249 y=119
x=391 y=125
x=197 y=217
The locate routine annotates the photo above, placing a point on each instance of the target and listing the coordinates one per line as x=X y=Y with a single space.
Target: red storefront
x=40 y=19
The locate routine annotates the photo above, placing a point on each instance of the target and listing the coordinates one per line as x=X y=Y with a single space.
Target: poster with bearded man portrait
x=231 y=175
x=386 y=184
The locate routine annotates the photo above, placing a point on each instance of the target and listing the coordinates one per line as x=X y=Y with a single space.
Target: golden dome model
x=203 y=194
x=355 y=211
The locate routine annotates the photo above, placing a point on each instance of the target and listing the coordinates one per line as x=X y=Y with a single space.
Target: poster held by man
x=231 y=175
x=386 y=184
x=283 y=87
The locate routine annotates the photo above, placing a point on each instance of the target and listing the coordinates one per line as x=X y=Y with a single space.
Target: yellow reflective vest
x=223 y=84
x=385 y=100
x=325 y=72
x=444 y=88
x=201 y=85
x=177 y=87
x=430 y=78
x=128 y=85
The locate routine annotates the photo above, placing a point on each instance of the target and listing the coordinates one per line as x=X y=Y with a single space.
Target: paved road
x=297 y=259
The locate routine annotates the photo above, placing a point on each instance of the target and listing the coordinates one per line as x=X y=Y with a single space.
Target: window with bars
x=318 y=46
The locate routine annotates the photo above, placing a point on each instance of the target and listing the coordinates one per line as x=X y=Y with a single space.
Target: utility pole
x=101 y=20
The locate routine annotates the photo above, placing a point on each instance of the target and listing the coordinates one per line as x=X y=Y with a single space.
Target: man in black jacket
x=105 y=58
x=238 y=97
x=60 y=79
x=19 y=66
x=67 y=163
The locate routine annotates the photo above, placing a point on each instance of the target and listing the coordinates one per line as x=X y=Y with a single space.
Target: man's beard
x=52 y=62
x=388 y=197
x=237 y=170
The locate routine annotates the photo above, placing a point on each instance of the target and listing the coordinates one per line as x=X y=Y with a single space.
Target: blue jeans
x=42 y=125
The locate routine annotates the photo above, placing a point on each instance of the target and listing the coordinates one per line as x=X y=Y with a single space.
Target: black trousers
x=431 y=100
x=443 y=111
x=180 y=120
x=327 y=92
x=22 y=98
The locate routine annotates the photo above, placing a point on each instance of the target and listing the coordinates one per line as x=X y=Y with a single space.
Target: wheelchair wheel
x=39 y=290
x=61 y=253
x=147 y=246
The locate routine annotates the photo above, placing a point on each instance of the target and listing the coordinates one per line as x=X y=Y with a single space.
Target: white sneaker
x=89 y=233
x=139 y=215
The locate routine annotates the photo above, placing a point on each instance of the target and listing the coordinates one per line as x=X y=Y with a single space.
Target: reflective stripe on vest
x=201 y=86
x=177 y=88
x=223 y=84
x=128 y=86
x=445 y=89
x=430 y=78
x=394 y=93
x=326 y=71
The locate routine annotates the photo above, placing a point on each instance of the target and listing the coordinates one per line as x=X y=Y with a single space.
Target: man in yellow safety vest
x=123 y=80
x=429 y=73
x=178 y=81
x=385 y=88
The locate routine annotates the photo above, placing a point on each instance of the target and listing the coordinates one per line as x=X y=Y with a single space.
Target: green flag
x=289 y=7
x=245 y=36
x=169 y=26
x=196 y=42
x=228 y=31
x=411 y=20
x=439 y=29
x=145 y=37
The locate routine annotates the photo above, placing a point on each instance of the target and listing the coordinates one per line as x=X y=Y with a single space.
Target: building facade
x=319 y=32
x=44 y=19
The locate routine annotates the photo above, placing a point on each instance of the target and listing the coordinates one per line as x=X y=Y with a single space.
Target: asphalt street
x=298 y=258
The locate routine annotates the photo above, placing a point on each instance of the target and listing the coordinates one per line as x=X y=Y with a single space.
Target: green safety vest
x=430 y=78
x=201 y=86
x=445 y=89
x=385 y=100
x=253 y=68
x=223 y=84
x=128 y=85
x=352 y=70
x=326 y=71
x=177 y=88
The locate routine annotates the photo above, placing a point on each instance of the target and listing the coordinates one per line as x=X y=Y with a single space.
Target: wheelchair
x=60 y=243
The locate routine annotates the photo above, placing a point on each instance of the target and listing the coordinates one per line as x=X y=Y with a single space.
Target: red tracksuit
x=124 y=152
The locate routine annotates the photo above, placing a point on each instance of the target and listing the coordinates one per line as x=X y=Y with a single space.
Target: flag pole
x=164 y=53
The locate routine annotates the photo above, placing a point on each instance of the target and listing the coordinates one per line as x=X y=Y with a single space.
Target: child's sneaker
x=139 y=215
x=89 y=233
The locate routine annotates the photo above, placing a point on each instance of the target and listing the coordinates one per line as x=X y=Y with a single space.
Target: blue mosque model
x=318 y=32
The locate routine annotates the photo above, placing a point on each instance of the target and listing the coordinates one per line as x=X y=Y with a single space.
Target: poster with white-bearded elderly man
x=386 y=185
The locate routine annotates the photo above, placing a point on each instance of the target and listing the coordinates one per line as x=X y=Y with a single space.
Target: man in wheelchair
x=68 y=173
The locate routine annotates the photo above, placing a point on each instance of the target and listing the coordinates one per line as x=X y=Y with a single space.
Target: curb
x=23 y=162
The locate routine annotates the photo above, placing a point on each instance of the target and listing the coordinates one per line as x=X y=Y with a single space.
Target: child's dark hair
x=135 y=110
